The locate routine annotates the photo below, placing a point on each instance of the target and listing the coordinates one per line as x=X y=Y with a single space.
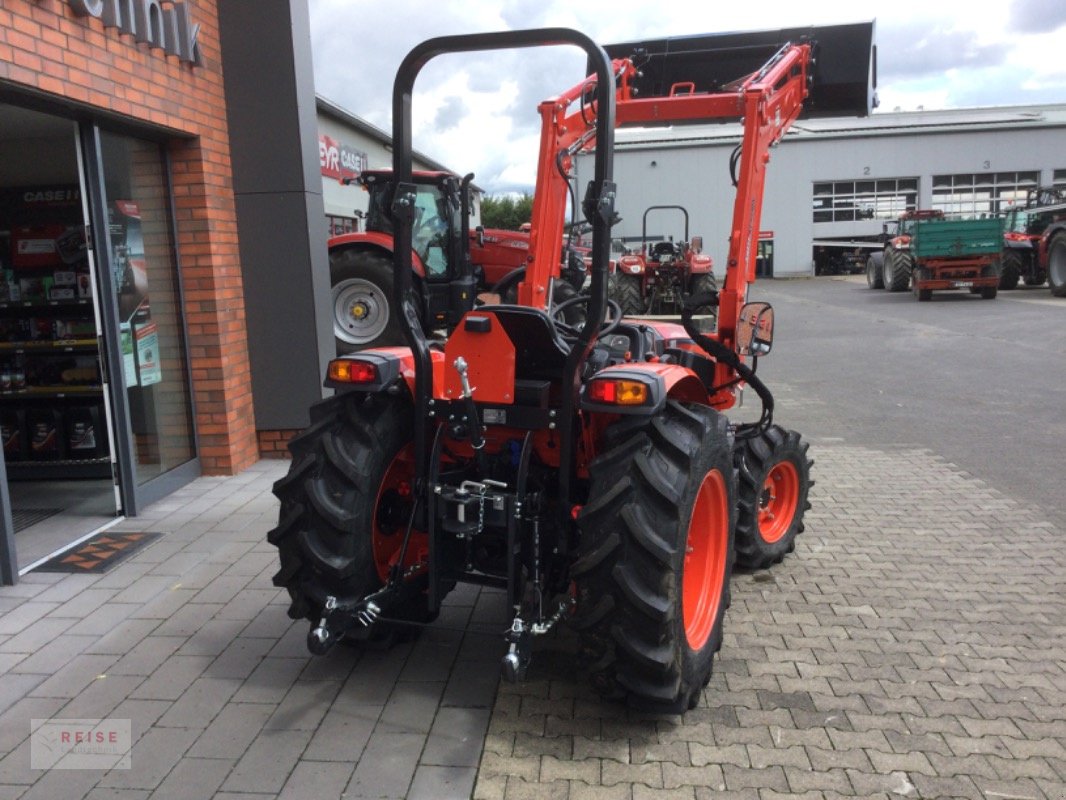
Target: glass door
x=140 y=288
x=55 y=419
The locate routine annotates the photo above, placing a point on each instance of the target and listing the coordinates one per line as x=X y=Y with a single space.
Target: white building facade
x=832 y=183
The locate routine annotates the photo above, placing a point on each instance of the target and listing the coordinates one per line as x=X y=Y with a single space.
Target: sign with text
x=162 y=24
x=338 y=160
x=81 y=743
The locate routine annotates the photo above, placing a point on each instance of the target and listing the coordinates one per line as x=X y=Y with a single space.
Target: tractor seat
x=660 y=249
x=539 y=350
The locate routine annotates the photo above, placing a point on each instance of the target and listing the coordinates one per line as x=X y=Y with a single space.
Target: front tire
x=654 y=557
x=361 y=290
x=343 y=504
x=774 y=481
x=1056 y=264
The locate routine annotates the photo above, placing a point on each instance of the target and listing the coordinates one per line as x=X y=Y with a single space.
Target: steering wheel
x=609 y=325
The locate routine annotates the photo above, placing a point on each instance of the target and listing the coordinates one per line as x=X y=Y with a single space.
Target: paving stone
x=231 y=732
x=195 y=779
x=317 y=780
x=343 y=733
x=268 y=762
x=387 y=766
x=455 y=738
x=153 y=756
x=442 y=783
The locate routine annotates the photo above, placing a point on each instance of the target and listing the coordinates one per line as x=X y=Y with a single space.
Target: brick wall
x=275 y=444
x=46 y=47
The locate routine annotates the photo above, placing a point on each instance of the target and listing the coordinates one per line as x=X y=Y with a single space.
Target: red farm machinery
x=664 y=273
x=361 y=280
x=588 y=471
x=1034 y=241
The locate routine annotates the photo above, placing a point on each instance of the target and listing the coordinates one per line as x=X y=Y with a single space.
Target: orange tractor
x=587 y=471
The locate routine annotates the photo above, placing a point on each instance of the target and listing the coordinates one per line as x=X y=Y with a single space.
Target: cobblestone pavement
x=912 y=647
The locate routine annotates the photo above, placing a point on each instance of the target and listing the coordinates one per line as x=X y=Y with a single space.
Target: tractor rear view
x=587 y=471
x=665 y=272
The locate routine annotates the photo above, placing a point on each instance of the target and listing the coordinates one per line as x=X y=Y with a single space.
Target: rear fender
x=631 y=265
x=393 y=364
x=664 y=382
x=374 y=240
x=700 y=264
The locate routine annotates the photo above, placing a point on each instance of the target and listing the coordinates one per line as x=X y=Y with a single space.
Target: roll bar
x=599 y=210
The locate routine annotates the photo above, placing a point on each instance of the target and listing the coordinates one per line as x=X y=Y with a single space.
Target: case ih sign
x=339 y=161
x=163 y=24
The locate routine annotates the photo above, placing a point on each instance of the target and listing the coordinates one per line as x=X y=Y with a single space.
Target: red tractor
x=659 y=278
x=588 y=471
x=361 y=263
x=1034 y=241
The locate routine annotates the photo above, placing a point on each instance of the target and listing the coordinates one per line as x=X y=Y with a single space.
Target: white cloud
x=477 y=112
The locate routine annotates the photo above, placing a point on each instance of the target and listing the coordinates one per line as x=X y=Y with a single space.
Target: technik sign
x=163 y=24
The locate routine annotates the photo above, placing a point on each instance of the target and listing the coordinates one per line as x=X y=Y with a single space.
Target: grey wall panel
x=269 y=82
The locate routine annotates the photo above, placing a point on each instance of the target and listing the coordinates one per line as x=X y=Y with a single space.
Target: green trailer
x=929 y=253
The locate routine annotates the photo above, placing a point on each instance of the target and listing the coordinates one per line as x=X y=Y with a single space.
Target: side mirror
x=480 y=235
x=755 y=329
x=696 y=245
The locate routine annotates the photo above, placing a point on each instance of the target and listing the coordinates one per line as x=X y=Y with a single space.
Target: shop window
x=335 y=225
x=853 y=201
x=981 y=194
x=145 y=280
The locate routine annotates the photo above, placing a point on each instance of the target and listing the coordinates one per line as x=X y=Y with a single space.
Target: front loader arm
x=767 y=101
x=771 y=101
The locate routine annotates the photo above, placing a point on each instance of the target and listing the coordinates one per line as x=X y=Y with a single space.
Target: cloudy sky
x=478 y=112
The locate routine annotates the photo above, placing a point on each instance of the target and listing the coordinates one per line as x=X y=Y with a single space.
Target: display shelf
x=66 y=468
x=53 y=346
x=31 y=392
x=19 y=305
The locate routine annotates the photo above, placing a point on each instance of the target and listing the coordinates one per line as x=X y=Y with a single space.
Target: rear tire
x=1013 y=266
x=1038 y=278
x=341 y=519
x=923 y=295
x=898 y=268
x=655 y=555
x=875 y=275
x=361 y=291
x=626 y=291
x=1056 y=264
x=774 y=482
x=702 y=284
x=995 y=269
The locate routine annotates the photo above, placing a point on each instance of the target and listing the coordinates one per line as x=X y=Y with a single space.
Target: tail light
x=618 y=392
x=343 y=370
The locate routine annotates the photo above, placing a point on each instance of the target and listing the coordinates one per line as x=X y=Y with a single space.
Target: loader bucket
x=844 y=71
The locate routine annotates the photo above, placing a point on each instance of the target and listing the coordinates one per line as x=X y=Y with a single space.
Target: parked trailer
x=929 y=253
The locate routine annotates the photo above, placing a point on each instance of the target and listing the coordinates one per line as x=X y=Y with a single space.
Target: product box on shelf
x=13 y=433
x=44 y=426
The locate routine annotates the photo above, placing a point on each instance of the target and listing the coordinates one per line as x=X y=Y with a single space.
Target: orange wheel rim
x=705 y=560
x=778 y=500
x=391 y=511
